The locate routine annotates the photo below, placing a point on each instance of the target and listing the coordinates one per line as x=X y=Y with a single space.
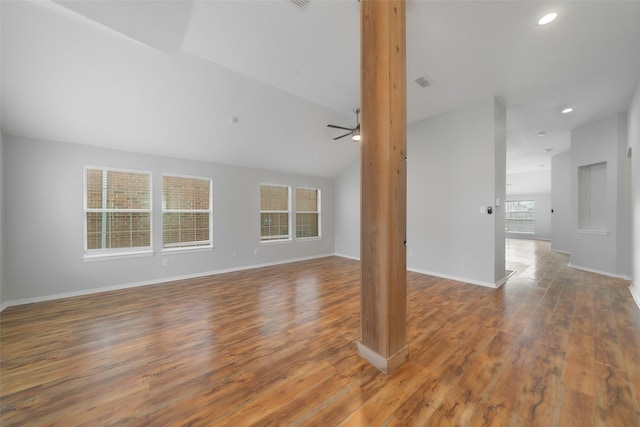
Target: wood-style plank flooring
x=276 y=346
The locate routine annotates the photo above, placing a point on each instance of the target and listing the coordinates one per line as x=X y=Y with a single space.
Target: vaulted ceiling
x=254 y=83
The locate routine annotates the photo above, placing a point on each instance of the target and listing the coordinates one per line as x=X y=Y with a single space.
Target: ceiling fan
x=354 y=132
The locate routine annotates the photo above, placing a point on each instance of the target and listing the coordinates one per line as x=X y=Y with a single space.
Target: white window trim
x=319 y=212
x=117 y=253
x=208 y=246
x=282 y=238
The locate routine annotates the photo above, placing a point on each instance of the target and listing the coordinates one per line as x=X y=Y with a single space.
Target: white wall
x=451 y=174
x=499 y=187
x=623 y=242
x=43 y=210
x=590 y=144
x=634 y=143
x=347 y=203
x=543 y=216
x=530 y=182
x=2 y=181
x=561 y=202
x=1 y=200
x=452 y=171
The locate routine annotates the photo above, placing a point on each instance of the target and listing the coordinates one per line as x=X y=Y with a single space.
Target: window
x=186 y=212
x=274 y=212
x=521 y=216
x=117 y=212
x=307 y=212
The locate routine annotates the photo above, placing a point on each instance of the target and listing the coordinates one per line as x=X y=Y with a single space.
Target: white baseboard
x=445 y=276
x=604 y=273
x=347 y=256
x=460 y=279
x=635 y=294
x=151 y=282
x=560 y=251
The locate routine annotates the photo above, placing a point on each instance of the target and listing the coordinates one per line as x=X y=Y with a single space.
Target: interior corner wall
x=44 y=205
x=347 y=202
x=561 y=202
x=633 y=135
x=598 y=250
x=453 y=163
x=543 y=216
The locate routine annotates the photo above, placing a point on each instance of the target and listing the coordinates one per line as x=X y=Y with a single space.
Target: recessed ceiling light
x=542 y=133
x=567 y=110
x=547 y=18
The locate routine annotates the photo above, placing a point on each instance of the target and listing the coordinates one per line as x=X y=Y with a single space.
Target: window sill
x=168 y=251
x=308 y=239
x=274 y=242
x=596 y=232
x=116 y=256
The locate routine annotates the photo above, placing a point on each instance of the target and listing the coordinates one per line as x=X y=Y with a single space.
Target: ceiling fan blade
x=342 y=136
x=339 y=127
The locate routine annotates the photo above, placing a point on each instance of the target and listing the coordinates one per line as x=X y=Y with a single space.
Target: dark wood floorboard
x=276 y=346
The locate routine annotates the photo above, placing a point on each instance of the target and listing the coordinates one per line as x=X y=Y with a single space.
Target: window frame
x=282 y=238
x=209 y=245
x=110 y=253
x=532 y=220
x=318 y=212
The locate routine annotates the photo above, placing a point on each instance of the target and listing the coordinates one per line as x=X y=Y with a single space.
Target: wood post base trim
x=385 y=364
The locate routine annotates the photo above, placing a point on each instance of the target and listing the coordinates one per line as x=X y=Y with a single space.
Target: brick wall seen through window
x=117 y=210
x=274 y=212
x=307 y=212
x=186 y=212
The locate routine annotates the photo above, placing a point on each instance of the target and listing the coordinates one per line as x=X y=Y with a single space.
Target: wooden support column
x=383 y=184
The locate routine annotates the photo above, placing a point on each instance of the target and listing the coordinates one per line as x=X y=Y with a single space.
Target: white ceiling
x=168 y=77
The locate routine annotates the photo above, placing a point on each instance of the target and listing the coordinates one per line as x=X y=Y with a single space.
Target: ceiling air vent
x=301 y=4
x=424 y=81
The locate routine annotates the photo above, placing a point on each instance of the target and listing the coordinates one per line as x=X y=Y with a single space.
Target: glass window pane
x=274 y=225
x=306 y=225
x=307 y=212
x=190 y=227
x=108 y=190
x=520 y=216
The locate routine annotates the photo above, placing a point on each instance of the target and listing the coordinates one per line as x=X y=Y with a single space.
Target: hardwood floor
x=276 y=345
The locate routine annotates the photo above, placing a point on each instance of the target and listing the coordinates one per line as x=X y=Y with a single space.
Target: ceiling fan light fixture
x=549 y=17
x=354 y=132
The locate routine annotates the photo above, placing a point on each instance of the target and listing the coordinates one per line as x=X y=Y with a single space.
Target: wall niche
x=592 y=197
